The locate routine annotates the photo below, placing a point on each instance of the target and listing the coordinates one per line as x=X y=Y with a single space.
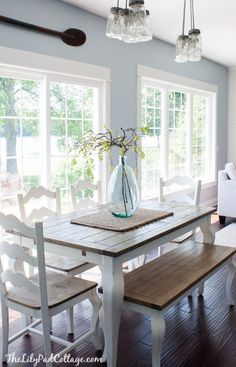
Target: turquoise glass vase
x=123 y=192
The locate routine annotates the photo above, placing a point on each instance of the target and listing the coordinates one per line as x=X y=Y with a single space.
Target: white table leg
x=113 y=294
x=208 y=236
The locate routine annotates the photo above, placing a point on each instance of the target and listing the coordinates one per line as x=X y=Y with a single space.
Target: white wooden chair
x=190 y=194
x=62 y=264
x=59 y=264
x=191 y=188
x=84 y=202
x=181 y=197
x=34 y=296
x=186 y=191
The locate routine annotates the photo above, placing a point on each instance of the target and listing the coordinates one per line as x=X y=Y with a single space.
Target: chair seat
x=65 y=264
x=59 y=288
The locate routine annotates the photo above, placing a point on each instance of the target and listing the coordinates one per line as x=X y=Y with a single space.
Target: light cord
x=192 y=14
x=184 y=13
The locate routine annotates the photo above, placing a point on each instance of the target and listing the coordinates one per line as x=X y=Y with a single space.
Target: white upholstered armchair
x=226 y=193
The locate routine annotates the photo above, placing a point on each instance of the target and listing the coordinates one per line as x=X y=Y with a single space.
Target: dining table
x=110 y=249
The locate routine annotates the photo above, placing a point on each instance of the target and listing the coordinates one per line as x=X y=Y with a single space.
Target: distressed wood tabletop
x=60 y=231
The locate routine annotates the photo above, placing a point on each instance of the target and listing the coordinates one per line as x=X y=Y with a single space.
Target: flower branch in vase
x=123 y=193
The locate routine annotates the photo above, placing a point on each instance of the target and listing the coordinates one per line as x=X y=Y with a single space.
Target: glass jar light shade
x=134 y=32
x=146 y=35
x=195 y=45
x=182 y=48
x=123 y=192
x=113 y=25
x=125 y=24
x=139 y=14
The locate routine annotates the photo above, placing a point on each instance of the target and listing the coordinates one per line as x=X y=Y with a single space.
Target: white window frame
x=165 y=81
x=27 y=65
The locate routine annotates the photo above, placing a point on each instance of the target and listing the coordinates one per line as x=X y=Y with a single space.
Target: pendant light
x=130 y=24
x=195 y=41
x=189 y=47
x=182 y=42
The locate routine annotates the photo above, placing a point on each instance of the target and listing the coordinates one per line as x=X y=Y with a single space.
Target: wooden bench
x=153 y=288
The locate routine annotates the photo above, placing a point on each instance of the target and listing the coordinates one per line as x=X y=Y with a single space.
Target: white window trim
x=161 y=79
x=180 y=81
x=42 y=67
x=50 y=64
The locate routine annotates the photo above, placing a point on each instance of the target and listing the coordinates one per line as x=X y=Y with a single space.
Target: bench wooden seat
x=160 y=282
x=154 y=287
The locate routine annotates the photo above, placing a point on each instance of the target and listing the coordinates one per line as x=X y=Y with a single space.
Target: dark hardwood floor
x=200 y=332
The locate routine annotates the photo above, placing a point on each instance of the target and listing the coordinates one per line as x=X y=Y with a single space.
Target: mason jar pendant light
x=113 y=30
x=130 y=24
x=195 y=40
x=182 y=42
x=189 y=47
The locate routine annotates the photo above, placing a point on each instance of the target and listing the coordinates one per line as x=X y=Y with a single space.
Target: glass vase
x=123 y=192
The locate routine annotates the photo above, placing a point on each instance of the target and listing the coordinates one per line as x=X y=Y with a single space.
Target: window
x=74 y=110
x=19 y=137
x=152 y=112
x=177 y=133
x=39 y=117
x=181 y=139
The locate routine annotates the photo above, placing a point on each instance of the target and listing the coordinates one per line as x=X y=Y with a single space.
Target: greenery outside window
x=39 y=117
x=181 y=138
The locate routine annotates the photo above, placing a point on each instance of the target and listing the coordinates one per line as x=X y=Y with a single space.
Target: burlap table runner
x=105 y=220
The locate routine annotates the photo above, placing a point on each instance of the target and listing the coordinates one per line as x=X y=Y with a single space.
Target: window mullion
x=66 y=139
x=165 y=138
x=210 y=146
x=45 y=132
x=189 y=136
x=21 y=140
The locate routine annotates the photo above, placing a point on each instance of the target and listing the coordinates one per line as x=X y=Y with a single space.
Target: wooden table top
x=60 y=231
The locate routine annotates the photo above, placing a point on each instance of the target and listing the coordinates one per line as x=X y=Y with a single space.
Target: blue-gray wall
x=121 y=58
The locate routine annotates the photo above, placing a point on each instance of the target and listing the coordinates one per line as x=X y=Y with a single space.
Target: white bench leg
x=96 y=304
x=5 y=332
x=158 y=333
x=101 y=317
x=201 y=289
x=160 y=251
x=70 y=320
x=208 y=237
x=230 y=278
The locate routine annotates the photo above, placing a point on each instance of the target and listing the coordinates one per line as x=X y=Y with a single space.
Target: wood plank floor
x=200 y=332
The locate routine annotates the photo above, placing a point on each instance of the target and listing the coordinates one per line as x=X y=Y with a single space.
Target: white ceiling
x=215 y=18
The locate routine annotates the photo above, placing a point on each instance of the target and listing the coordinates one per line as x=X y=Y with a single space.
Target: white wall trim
x=49 y=64
x=163 y=76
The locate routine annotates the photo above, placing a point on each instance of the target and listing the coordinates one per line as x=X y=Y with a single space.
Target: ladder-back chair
x=85 y=202
x=35 y=296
